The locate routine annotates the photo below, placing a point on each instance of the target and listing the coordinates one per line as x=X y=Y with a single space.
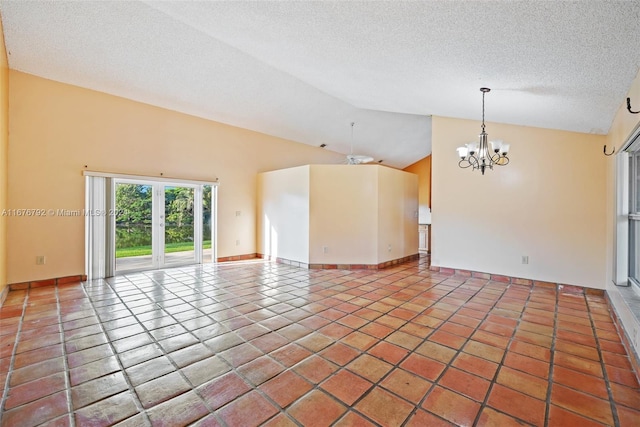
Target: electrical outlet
x=238 y=213
x=40 y=260
x=325 y=249
x=525 y=259
x=237 y=242
x=389 y=248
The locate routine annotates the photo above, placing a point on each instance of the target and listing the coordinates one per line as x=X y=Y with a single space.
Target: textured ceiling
x=305 y=70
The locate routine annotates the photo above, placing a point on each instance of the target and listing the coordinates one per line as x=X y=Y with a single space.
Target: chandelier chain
x=483 y=93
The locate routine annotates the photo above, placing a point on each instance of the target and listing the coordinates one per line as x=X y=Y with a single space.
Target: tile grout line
x=135 y=397
x=552 y=357
x=424 y=339
x=215 y=354
x=65 y=361
x=485 y=402
x=256 y=388
x=5 y=394
x=457 y=351
x=190 y=304
x=410 y=352
x=166 y=354
x=339 y=287
x=605 y=374
x=317 y=387
x=460 y=350
x=419 y=404
x=172 y=362
x=394 y=366
x=314 y=386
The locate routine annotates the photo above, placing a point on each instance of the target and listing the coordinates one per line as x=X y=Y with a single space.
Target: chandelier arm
x=495 y=158
x=473 y=160
x=501 y=160
x=464 y=163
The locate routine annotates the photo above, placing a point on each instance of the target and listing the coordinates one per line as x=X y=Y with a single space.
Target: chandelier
x=478 y=155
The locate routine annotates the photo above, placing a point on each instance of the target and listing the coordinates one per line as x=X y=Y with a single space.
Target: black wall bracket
x=604 y=150
x=629 y=107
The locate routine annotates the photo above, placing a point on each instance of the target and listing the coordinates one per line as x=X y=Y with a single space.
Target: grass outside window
x=168 y=248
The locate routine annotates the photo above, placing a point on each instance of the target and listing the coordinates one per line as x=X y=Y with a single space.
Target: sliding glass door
x=140 y=223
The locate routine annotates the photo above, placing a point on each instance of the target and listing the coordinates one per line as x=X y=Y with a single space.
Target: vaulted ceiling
x=304 y=70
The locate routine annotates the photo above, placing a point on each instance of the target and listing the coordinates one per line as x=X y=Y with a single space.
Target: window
x=634 y=216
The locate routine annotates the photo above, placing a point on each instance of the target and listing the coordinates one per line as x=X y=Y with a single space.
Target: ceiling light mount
x=356 y=159
x=478 y=155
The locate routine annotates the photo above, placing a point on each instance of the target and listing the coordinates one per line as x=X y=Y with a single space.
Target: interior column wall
x=283 y=214
x=343 y=214
x=397 y=214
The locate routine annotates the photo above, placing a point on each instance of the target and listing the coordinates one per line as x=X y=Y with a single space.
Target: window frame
x=633 y=251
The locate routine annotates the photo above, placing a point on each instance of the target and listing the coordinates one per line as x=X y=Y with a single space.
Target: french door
x=148 y=224
x=157 y=224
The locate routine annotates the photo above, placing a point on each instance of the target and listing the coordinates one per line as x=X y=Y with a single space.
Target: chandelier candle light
x=479 y=155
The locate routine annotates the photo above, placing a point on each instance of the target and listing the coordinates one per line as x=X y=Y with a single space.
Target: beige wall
x=4 y=147
x=56 y=129
x=283 y=214
x=343 y=213
x=422 y=168
x=397 y=214
x=549 y=203
x=357 y=212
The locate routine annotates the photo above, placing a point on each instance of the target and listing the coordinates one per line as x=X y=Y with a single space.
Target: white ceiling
x=304 y=70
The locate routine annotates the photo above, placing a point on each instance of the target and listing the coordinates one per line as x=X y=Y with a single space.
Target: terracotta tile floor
x=263 y=344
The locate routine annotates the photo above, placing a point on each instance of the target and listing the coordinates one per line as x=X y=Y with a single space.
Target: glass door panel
x=179 y=221
x=133 y=226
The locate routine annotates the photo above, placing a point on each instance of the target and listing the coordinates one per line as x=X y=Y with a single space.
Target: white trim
x=139 y=178
x=633 y=143
x=197 y=223
x=157 y=226
x=621 y=235
x=214 y=224
x=110 y=227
